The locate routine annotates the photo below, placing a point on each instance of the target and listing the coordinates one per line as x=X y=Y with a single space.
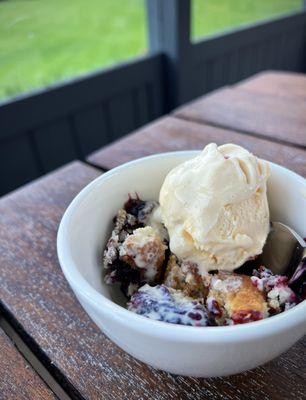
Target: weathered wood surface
x=18 y=380
x=36 y=298
x=280 y=84
x=262 y=115
x=168 y=134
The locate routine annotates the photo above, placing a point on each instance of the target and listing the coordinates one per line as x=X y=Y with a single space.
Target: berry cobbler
x=184 y=259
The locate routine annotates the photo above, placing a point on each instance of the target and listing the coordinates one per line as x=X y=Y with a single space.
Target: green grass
x=211 y=16
x=44 y=41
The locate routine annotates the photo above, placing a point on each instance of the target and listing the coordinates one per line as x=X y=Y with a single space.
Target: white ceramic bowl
x=185 y=350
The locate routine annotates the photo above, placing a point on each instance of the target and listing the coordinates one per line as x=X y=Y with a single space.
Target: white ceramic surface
x=193 y=351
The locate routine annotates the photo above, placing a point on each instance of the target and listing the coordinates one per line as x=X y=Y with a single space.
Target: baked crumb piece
x=169 y=305
x=233 y=299
x=174 y=276
x=124 y=225
x=144 y=249
x=134 y=254
x=280 y=296
x=185 y=276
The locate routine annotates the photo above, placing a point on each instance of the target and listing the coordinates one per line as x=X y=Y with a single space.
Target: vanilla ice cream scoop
x=215 y=207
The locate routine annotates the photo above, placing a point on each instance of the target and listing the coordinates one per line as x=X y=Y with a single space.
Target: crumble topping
x=162 y=287
x=279 y=295
x=226 y=282
x=144 y=249
x=234 y=299
x=125 y=260
x=185 y=276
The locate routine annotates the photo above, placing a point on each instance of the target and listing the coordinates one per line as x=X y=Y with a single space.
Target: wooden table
x=278 y=84
x=276 y=111
x=18 y=379
x=37 y=301
x=170 y=133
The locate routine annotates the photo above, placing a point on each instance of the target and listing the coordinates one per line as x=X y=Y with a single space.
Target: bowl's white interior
x=90 y=220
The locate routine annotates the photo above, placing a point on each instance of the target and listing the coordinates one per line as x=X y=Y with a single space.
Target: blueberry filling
x=161 y=287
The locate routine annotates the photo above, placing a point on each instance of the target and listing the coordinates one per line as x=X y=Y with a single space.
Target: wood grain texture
x=263 y=115
x=168 y=134
x=18 y=380
x=37 y=300
x=276 y=83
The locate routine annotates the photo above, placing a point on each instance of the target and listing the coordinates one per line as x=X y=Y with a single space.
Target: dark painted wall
x=223 y=60
x=42 y=131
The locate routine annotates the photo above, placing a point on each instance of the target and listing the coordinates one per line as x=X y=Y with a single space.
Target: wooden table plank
x=280 y=84
x=18 y=380
x=38 y=302
x=168 y=134
x=262 y=115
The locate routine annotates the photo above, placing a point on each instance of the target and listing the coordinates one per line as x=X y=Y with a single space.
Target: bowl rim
x=81 y=286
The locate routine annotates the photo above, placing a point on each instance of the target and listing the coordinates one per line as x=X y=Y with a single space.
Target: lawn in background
x=44 y=41
x=211 y=16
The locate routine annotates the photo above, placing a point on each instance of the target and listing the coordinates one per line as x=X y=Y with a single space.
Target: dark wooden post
x=169 y=33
